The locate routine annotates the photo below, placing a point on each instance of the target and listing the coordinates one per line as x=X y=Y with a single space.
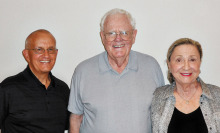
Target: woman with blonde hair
x=187 y=105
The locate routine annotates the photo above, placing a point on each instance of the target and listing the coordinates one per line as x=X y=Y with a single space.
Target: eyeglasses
x=125 y=35
x=42 y=50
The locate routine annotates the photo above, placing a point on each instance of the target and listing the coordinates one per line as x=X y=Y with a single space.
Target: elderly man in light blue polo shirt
x=112 y=92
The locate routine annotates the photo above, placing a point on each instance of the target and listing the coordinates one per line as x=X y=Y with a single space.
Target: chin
x=187 y=82
x=120 y=54
x=46 y=70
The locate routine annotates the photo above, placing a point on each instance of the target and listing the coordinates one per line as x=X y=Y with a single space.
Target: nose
x=186 y=65
x=46 y=53
x=118 y=37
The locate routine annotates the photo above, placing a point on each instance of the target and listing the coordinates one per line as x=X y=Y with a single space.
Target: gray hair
x=117 y=11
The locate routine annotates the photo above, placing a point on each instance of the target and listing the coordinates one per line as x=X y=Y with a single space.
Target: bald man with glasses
x=35 y=101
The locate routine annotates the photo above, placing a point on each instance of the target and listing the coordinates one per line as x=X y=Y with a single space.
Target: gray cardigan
x=163 y=106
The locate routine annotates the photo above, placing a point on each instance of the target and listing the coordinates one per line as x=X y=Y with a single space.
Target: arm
x=75 y=122
x=156 y=111
x=153 y=118
x=3 y=107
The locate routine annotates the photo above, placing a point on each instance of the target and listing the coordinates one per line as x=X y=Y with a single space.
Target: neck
x=186 y=92
x=185 y=88
x=43 y=78
x=118 y=64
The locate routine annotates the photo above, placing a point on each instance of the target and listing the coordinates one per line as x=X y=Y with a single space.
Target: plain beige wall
x=75 y=25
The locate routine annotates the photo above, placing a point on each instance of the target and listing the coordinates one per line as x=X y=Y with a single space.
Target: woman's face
x=185 y=63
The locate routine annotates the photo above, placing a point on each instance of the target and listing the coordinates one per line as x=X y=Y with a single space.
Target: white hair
x=117 y=11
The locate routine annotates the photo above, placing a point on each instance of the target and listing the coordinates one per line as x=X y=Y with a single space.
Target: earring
x=169 y=71
x=173 y=84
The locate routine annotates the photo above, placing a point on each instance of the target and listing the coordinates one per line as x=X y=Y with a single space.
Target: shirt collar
x=105 y=66
x=32 y=78
x=169 y=91
x=205 y=90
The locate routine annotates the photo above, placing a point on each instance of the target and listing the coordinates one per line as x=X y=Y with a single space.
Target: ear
x=56 y=52
x=102 y=36
x=134 y=36
x=168 y=65
x=26 y=55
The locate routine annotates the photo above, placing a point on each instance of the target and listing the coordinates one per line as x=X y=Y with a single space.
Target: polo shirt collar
x=34 y=80
x=105 y=66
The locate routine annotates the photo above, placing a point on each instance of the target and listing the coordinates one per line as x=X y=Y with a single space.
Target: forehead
x=117 y=22
x=43 y=40
x=186 y=49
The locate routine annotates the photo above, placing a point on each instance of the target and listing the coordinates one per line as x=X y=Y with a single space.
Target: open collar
x=32 y=79
x=104 y=65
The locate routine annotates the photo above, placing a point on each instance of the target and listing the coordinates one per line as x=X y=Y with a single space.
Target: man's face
x=119 y=48
x=41 y=63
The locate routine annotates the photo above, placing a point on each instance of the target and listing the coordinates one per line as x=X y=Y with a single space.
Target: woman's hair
x=117 y=11
x=181 y=41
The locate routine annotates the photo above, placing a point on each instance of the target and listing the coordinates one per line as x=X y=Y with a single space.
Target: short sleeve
x=75 y=101
x=160 y=77
x=158 y=74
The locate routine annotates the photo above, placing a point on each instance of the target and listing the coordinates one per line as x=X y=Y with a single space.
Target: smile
x=45 y=61
x=186 y=74
x=118 y=46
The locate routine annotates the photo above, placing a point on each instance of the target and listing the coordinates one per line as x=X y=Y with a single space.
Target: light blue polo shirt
x=111 y=102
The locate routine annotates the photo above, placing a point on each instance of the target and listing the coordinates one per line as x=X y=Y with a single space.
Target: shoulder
x=163 y=91
x=213 y=87
x=213 y=95
x=149 y=66
x=215 y=90
x=60 y=83
x=89 y=63
x=160 y=97
x=18 y=78
x=146 y=61
x=10 y=84
x=145 y=57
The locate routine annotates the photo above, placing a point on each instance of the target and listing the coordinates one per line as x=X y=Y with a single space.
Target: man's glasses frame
x=42 y=50
x=125 y=35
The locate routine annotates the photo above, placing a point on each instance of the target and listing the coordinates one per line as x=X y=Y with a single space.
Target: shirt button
x=201 y=102
x=210 y=128
x=48 y=102
x=205 y=114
